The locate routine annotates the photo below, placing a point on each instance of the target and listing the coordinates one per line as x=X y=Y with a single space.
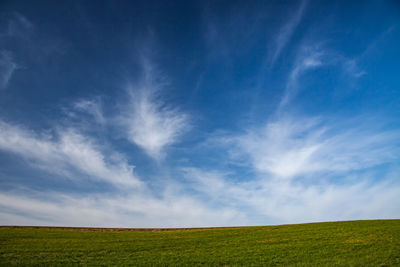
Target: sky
x=198 y=113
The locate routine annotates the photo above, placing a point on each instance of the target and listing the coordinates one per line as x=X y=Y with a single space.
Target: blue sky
x=203 y=113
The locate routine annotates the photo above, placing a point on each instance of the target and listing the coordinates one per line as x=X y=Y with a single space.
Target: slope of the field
x=354 y=243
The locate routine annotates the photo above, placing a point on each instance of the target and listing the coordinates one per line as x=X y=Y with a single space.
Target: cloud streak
x=7 y=68
x=19 y=26
x=92 y=107
x=308 y=58
x=277 y=201
x=101 y=210
x=289 y=147
x=65 y=153
x=287 y=31
x=151 y=123
x=306 y=169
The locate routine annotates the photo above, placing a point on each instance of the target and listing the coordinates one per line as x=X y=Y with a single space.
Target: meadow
x=350 y=243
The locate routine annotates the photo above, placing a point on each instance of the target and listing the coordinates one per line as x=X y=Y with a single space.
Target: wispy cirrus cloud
x=215 y=200
x=67 y=152
x=352 y=68
x=142 y=209
x=311 y=55
x=17 y=31
x=308 y=57
x=151 y=123
x=7 y=68
x=19 y=26
x=284 y=201
x=293 y=146
x=286 y=32
x=92 y=107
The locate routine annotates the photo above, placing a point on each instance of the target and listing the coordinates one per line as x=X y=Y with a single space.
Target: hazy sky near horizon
x=198 y=113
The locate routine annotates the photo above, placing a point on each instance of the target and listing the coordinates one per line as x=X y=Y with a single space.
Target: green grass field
x=354 y=243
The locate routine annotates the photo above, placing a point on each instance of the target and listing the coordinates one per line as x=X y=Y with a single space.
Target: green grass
x=355 y=243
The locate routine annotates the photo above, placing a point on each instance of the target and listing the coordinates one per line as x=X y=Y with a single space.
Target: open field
x=353 y=243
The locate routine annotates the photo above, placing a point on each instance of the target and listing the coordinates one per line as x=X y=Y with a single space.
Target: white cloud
x=261 y=201
x=19 y=26
x=102 y=210
x=289 y=147
x=309 y=57
x=213 y=198
x=268 y=200
x=287 y=31
x=150 y=122
x=7 y=68
x=92 y=107
x=350 y=66
x=66 y=152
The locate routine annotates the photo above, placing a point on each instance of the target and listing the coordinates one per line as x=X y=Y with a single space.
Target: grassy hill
x=353 y=243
